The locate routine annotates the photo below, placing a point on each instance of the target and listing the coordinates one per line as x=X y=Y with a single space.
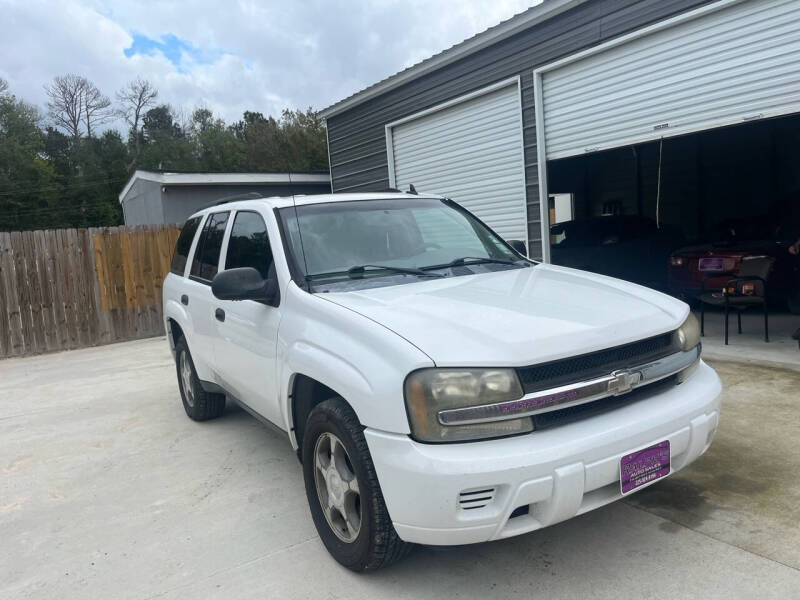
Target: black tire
x=198 y=404
x=377 y=544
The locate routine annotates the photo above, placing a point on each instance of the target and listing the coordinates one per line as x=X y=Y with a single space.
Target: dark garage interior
x=719 y=187
x=748 y=170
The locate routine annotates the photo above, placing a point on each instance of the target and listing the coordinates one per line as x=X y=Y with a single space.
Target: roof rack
x=411 y=190
x=244 y=196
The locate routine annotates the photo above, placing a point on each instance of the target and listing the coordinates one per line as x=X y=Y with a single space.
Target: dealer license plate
x=711 y=264
x=644 y=466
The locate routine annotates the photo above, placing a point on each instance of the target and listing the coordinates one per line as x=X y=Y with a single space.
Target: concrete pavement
x=110 y=491
x=749 y=347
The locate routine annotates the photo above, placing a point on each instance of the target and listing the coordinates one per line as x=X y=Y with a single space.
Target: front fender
x=361 y=360
x=323 y=366
x=346 y=376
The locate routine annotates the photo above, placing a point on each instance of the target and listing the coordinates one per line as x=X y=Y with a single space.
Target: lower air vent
x=477 y=498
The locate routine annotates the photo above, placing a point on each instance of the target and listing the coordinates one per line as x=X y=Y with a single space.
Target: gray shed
x=686 y=112
x=154 y=198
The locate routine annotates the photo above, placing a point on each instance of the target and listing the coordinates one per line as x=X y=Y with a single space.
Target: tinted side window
x=206 y=256
x=181 y=254
x=249 y=245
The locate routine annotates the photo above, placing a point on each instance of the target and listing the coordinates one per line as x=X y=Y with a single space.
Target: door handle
x=220 y=315
x=185 y=300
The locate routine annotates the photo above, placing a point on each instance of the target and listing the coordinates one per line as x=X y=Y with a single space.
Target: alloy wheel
x=186 y=379
x=337 y=487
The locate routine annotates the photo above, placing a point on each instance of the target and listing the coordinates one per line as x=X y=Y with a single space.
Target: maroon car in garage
x=707 y=267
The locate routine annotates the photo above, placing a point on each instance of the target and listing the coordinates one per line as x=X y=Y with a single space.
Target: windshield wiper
x=362 y=269
x=476 y=260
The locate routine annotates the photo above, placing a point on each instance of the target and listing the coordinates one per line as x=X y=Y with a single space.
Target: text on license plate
x=644 y=466
x=711 y=264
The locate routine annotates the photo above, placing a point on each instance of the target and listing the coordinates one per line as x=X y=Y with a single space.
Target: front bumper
x=556 y=473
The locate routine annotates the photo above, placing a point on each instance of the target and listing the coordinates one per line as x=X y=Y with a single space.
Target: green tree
x=261 y=138
x=304 y=137
x=165 y=146
x=215 y=145
x=89 y=173
x=27 y=181
x=93 y=187
x=296 y=142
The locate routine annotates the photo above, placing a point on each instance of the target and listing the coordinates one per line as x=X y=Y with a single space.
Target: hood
x=516 y=317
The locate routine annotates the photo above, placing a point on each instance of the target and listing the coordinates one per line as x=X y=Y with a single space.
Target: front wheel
x=343 y=492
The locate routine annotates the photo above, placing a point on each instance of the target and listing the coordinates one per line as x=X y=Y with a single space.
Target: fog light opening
x=710 y=436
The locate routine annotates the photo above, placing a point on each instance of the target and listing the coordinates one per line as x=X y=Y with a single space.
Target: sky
x=232 y=55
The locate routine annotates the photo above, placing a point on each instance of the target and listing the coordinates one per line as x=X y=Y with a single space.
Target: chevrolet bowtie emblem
x=623 y=381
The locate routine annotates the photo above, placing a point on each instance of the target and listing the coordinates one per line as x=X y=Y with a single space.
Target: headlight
x=676 y=261
x=689 y=333
x=430 y=391
x=688 y=339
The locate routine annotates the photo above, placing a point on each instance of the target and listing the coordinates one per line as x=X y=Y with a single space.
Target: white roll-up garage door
x=471 y=151
x=732 y=62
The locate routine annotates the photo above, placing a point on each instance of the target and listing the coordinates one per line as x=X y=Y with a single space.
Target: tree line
x=60 y=167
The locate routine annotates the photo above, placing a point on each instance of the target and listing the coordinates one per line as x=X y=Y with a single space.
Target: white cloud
x=253 y=55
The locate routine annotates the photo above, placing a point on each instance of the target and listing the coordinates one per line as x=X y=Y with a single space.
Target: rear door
x=246 y=340
x=201 y=304
x=174 y=290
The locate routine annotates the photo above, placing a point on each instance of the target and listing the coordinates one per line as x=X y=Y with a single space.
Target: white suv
x=439 y=388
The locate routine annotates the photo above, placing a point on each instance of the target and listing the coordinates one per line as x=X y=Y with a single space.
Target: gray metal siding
x=142 y=205
x=181 y=201
x=357 y=145
x=146 y=204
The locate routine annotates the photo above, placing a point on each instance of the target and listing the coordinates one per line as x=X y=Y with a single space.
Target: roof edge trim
x=167 y=178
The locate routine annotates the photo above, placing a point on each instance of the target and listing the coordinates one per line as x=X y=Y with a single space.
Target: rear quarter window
x=183 y=245
x=206 y=255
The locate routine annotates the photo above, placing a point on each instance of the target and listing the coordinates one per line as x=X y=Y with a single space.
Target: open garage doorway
x=669 y=213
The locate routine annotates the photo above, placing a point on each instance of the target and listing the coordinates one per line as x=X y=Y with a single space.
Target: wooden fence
x=72 y=288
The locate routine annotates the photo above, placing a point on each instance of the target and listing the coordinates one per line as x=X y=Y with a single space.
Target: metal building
x=154 y=198
x=649 y=107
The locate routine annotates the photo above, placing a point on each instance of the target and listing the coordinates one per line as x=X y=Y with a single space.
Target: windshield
x=396 y=238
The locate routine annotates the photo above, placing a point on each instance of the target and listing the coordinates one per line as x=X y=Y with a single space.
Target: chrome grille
x=594 y=364
x=565 y=416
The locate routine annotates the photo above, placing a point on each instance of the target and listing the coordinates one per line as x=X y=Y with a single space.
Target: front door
x=246 y=341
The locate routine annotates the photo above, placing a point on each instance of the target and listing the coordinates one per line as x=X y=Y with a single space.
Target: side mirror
x=519 y=246
x=244 y=283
